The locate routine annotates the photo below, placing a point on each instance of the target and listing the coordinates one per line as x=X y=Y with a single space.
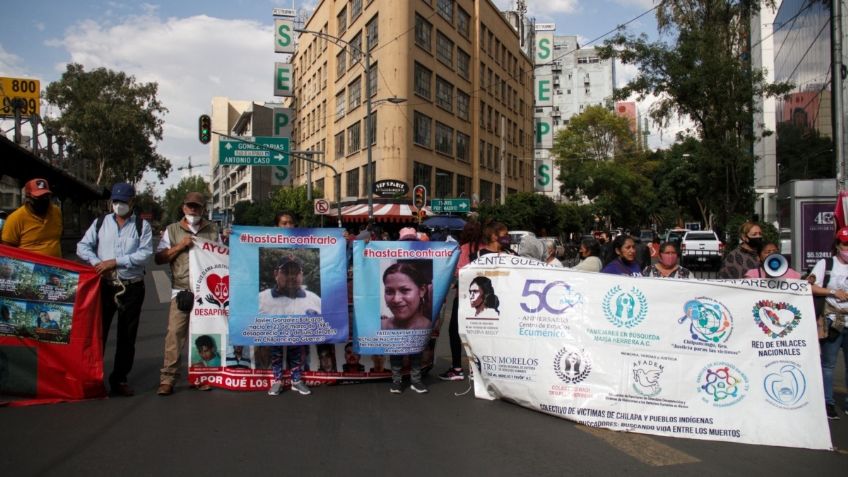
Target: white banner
x=730 y=361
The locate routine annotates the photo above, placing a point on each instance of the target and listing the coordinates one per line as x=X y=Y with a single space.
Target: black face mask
x=756 y=243
x=40 y=205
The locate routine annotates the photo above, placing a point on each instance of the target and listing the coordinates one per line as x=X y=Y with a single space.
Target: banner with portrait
x=734 y=361
x=289 y=286
x=50 y=328
x=399 y=289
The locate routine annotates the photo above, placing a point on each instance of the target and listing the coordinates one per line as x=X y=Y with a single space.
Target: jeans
x=128 y=318
x=294 y=359
x=829 y=354
x=396 y=362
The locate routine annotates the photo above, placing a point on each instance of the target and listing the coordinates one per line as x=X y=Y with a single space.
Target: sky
x=196 y=50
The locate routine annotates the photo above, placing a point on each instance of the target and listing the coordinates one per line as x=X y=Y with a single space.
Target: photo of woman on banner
x=407 y=291
x=483 y=300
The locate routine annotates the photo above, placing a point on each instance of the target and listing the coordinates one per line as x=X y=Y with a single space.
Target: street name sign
x=460 y=205
x=238 y=153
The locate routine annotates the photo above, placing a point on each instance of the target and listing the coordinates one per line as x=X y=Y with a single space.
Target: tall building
x=568 y=80
x=451 y=94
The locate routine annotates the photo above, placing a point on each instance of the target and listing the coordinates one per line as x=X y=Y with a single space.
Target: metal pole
x=503 y=153
x=836 y=87
x=368 y=179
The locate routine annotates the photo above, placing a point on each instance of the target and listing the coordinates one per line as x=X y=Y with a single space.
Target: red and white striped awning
x=382 y=213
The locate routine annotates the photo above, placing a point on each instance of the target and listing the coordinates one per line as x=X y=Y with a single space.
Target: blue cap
x=123 y=192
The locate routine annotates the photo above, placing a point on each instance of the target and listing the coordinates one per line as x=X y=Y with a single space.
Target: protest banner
x=734 y=361
x=50 y=329
x=289 y=286
x=399 y=289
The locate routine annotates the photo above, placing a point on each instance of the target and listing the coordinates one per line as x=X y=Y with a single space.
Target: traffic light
x=419 y=197
x=204 y=129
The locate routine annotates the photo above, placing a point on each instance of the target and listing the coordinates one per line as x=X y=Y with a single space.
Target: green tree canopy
x=288 y=199
x=174 y=196
x=111 y=123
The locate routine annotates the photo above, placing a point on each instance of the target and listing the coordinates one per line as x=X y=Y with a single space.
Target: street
x=351 y=430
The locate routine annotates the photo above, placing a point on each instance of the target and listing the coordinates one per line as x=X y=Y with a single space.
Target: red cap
x=842 y=235
x=37 y=188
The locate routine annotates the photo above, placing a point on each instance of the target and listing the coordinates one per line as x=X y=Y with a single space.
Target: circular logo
x=709 y=320
x=786 y=385
x=572 y=365
x=646 y=377
x=776 y=319
x=625 y=309
x=722 y=384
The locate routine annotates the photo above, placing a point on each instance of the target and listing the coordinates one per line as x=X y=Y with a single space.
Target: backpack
x=139 y=223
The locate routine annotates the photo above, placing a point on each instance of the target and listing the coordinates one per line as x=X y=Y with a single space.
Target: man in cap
x=288 y=297
x=119 y=245
x=173 y=249
x=37 y=225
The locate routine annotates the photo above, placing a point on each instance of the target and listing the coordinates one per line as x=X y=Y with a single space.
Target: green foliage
x=770 y=233
x=596 y=134
x=803 y=153
x=525 y=211
x=288 y=199
x=146 y=201
x=111 y=123
x=174 y=196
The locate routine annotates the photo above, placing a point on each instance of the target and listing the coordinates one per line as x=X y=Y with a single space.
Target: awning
x=382 y=213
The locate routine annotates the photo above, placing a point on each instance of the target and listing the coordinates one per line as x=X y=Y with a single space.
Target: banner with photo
x=399 y=289
x=734 y=361
x=213 y=359
x=50 y=327
x=289 y=286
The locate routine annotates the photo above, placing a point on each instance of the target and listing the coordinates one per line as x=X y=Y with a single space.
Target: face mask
x=504 y=241
x=843 y=254
x=121 y=209
x=192 y=219
x=668 y=260
x=755 y=242
x=40 y=206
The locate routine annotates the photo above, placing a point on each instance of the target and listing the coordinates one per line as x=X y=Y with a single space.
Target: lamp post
x=368 y=105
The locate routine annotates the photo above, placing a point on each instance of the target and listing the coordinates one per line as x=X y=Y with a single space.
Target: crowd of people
x=119 y=244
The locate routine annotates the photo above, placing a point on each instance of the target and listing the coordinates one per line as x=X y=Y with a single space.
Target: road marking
x=163 y=285
x=642 y=448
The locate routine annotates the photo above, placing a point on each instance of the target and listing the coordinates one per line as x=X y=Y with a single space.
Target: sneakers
x=419 y=387
x=832 y=413
x=396 y=388
x=301 y=387
x=452 y=374
x=276 y=388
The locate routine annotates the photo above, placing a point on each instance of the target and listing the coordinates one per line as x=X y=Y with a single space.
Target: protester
x=289 y=297
x=396 y=361
x=495 y=239
x=770 y=248
x=550 y=254
x=119 y=245
x=745 y=256
x=834 y=271
x=173 y=249
x=532 y=247
x=590 y=254
x=625 y=262
x=37 y=224
x=667 y=266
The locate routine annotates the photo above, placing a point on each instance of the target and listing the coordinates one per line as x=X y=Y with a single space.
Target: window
x=339 y=143
x=366 y=179
x=341 y=19
x=445 y=9
x=462 y=102
x=485 y=191
x=421 y=174
x=372 y=128
x=340 y=105
x=372 y=33
x=354 y=93
x=423 y=78
x=353 y=138
x=423 y=33
x=489 y=156
x=422 y=132
x=463 y=62
x=463 y=147
x=353 y=183
x=444 y=139
x=444 y=49
x=371 y=85
x=444 y=183
x=463 y=186
x=463 y=22
x=482 y=114
x=341 y=65
x=482 y=155
x=355 y=9
x=444 y=94
x=356 y=49
x=497 y=159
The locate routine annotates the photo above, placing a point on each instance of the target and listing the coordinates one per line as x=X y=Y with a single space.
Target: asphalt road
x=352 y=430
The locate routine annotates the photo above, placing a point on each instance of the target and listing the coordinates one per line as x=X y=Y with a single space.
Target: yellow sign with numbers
x=23 y=91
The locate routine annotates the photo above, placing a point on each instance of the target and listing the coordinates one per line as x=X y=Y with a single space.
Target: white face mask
x=192 y=219
x=121 y=209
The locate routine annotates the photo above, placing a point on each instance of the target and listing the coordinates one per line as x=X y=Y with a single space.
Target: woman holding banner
x=667 y=266
x=625 y=262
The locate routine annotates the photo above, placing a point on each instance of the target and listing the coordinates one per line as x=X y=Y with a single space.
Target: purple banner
x=817 y=231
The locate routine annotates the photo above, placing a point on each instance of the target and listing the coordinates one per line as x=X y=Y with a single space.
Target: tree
x=525 y=211
x=704 y=73
x=174 y=196
x=146 y=201
x=289 y=199
x=596 y=134
x=111 y=123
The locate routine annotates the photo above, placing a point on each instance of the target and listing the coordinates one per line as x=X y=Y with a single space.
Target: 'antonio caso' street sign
x=237 y=153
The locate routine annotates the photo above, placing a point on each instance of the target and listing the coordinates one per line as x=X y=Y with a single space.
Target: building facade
x=451 y=93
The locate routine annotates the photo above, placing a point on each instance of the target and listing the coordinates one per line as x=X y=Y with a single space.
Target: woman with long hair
x=590 y=255
x=668 y=265
x=625 y=262
x=482 y=296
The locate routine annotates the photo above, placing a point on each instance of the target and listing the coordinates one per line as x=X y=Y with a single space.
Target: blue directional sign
x=238 y=153
x=460 y=205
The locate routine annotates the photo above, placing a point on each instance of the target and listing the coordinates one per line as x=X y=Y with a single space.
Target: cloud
x=11 y=65
x=646 y=4
x=542 y=9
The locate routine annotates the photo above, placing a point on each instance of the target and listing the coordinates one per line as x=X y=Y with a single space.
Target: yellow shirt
x=27 y=231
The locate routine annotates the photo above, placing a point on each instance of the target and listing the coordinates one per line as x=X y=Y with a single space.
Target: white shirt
x=165 y=244
x=307 y=304
x=838 y=280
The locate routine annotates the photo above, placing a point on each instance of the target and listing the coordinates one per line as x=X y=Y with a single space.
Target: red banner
x=50 y=329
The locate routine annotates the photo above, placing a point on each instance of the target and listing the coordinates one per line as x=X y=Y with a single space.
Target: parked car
x=701 y=248
x=647 y=236
x=675 y=235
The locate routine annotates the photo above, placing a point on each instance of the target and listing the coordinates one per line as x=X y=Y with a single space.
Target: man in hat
x=119 y=245
x=37 y=225
x=173 y=249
